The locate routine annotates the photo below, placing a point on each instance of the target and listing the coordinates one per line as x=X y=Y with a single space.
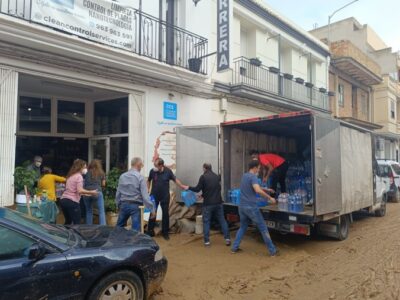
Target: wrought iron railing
x=152 y=37
x=252 y=73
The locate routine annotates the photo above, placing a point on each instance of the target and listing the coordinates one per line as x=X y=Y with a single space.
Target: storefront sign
x=97 y=20
x=223 y=35
x=170 y=111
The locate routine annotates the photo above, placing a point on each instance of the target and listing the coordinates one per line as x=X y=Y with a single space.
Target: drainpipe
x=371 y=104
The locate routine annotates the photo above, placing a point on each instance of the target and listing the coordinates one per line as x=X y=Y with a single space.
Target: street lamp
x=330 y=17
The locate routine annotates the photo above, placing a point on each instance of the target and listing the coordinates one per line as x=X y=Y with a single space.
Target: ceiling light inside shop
x=29 y=109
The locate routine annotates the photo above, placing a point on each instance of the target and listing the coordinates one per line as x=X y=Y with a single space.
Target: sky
x=382 y=15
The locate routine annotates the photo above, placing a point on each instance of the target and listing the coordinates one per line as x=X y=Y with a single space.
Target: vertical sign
x=223 y=35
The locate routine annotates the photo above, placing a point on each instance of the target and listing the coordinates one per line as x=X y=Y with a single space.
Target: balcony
x=249 y=77
x=149 y=37
x=352 y=61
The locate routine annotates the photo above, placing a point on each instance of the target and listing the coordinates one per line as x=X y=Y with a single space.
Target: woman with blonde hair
x=95 y=180
x=73 y=191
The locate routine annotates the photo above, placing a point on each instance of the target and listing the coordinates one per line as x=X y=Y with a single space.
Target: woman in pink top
x=73 y=190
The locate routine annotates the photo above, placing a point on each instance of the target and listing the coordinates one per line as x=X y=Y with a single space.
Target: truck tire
x=343 y=228
x=381 y=212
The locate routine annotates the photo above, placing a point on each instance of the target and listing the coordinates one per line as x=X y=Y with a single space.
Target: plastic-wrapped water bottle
x=290 y=202
x=283 y=202
x=299 y=204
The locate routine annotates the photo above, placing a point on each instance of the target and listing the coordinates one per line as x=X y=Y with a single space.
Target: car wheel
x=381 y=212
x=123 y=285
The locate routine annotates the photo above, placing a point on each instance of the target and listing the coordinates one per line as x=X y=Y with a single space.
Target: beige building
x=351 y=40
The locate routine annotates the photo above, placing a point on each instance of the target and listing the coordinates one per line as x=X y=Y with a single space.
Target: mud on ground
x=365 y=266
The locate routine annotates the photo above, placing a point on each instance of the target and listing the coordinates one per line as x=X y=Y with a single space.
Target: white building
x=106 y=81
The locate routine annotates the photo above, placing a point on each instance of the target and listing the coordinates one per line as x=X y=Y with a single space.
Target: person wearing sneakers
x=210 y=186
x=248 y=210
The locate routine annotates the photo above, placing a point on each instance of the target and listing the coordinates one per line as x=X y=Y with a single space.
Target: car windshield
x=396 y=168
x=56 y=232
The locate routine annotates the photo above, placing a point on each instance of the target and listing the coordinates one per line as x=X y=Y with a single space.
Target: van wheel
x=343 y=228
x=396 y=197
x=118 y=285
x=381 y=212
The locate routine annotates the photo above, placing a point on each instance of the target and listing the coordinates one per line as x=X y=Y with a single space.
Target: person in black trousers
x=210 y=186
x=159 y=179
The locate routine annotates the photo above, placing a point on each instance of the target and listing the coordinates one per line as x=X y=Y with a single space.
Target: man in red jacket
x=272 y=164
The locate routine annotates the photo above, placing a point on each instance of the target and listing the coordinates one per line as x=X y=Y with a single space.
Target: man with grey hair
x=35 y=166
x=131 y=194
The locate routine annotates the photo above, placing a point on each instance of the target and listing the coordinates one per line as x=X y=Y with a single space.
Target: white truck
x=344 y=172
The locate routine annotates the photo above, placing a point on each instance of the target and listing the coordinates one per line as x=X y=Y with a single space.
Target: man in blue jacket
x=248 y=209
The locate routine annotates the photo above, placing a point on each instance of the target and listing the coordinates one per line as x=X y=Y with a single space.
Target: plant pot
x=20 y=199
x=111 y=218
x=299 y=80
x=255 y=62
x=194 y=64
x=309 y=85
x=322 y=90
x=274 y=70
x=288 y=76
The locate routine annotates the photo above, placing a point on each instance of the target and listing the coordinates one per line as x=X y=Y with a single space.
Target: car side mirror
x=36 y=252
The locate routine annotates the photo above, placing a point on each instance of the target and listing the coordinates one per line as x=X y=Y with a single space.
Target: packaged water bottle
x=299 y=204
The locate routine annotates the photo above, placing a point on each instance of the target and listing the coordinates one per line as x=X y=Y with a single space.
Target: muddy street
x=365 y=266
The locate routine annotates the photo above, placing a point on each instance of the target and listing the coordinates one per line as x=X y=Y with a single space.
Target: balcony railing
x=152 y=37
x=251 y=74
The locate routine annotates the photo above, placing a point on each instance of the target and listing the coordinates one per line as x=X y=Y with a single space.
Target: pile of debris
x=182 y=219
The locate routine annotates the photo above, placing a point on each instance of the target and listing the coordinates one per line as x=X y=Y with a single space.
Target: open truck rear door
x=327 y=179
x=196 y=145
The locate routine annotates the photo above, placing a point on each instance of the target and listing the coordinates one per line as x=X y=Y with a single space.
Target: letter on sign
x=223 y=35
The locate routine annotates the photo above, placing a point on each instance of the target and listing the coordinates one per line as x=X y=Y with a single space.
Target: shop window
x=341 y=94
x=111 y=117
x=70 y=117
x=34 y=114
x=119 y=153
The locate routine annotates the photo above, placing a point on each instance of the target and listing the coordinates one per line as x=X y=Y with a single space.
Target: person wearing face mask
x=35 y=166
x=159 y=179
x=73 y=191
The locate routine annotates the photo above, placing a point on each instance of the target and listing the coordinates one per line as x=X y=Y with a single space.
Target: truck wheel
x=381 y=212
x=118 y=285
x=343 y=228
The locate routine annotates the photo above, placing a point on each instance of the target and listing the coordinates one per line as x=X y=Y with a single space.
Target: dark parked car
x=42 y=261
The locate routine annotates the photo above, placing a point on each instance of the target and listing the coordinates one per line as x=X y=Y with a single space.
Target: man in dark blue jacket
x=210 y=186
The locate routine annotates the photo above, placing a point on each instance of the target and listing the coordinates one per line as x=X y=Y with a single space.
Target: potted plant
x=274 y=70
x=288 y=76
x=109 y=196
x=194 y=64
x=322 y=90
x=309 y=85
x=23 y=177
x=255 y=61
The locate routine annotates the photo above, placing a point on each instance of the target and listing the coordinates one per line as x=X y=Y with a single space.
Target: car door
x=22 y=278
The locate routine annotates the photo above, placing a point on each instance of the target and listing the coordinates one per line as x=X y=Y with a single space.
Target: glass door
x=99 y=148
